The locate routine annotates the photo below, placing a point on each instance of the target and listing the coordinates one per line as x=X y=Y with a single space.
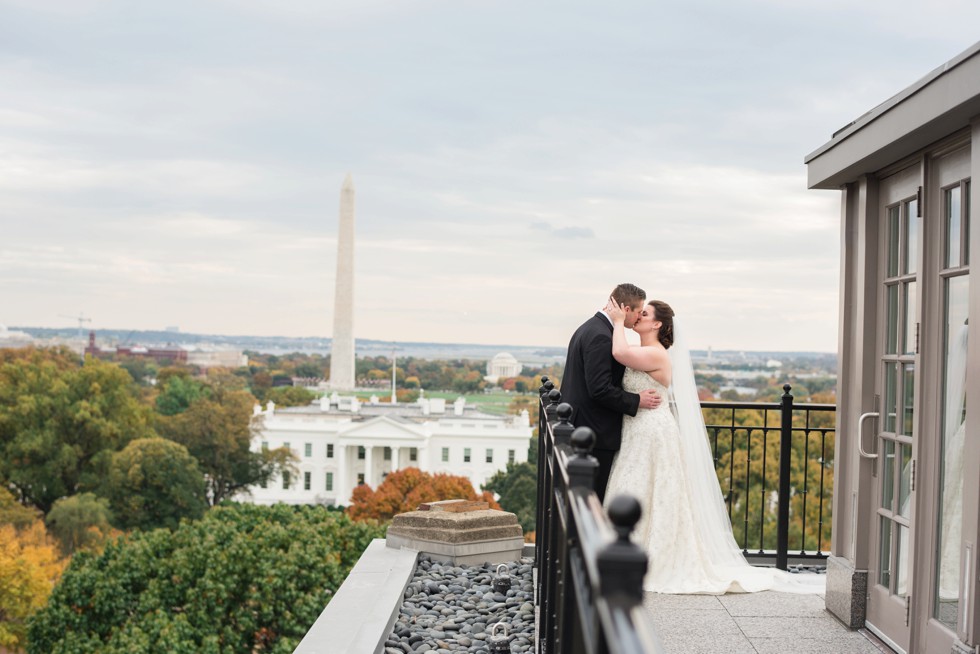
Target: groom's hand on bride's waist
x=649 y=399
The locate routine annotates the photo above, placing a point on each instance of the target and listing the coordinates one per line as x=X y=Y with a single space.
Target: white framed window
x=466 y=455
x=511 y=454
x=329 y=450
x=413 y=454
x=308 y=450
x=489 y=455
x=329 y=481
x=306 y=480
x=285 y=481
x=445 y=455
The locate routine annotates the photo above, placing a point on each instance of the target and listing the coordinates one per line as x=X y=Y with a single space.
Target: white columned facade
x=368 y=464
x=394 y=459
x=342 y=489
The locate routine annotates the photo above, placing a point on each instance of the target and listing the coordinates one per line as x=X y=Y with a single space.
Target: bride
x=665 y=462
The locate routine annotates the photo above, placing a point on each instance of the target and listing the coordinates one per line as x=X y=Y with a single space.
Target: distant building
x=10 y=338
x=172 y=354
x=502 y=366
x=342 y=442
x=214 y=358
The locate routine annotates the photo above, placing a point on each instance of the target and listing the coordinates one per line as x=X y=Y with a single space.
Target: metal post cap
x=583 y=440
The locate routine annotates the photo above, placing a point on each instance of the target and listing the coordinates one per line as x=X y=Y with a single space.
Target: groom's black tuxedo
x=593 y=384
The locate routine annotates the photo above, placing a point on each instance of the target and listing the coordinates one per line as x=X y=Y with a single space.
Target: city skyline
x=181 y=164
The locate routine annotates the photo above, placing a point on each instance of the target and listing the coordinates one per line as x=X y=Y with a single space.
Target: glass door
x=939 y=603
x=890 y=578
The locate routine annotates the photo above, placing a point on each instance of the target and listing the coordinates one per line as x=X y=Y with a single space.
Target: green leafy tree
x=217 y=431
x=517 y=490
x=60 y=422
x=243 y=579
x=290 y=396
x=154 y=483
x=178 y=394
x=13 y=512
x=82 y=521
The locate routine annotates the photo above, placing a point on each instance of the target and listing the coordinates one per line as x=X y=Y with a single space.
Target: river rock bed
x=452 y=608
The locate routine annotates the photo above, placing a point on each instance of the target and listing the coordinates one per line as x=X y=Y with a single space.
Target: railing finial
x=582 y=466
x=554 y=398
x=563 y=430
x=622 y=565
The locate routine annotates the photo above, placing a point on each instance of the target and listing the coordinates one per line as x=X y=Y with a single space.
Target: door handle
x=865 y=416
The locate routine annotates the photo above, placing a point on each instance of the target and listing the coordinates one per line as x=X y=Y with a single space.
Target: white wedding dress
x=684 y=527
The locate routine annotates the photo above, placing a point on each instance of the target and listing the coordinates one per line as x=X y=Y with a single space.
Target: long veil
x=708 y=505
x=703 y=488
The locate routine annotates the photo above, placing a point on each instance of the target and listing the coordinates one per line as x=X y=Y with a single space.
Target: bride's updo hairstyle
x=663 y=313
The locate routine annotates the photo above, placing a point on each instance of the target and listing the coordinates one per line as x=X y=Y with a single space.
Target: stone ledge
x=360 y=615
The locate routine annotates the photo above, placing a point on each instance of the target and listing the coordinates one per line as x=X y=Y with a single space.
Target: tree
x=517 y=490
x=29 y=568
x=403 y=491
x=60 y=422
x=179 y=393
x=154 y=483
x=82 y=521
x=245 y=578
x=217 y=431
x=14 y=513
x=290 y=396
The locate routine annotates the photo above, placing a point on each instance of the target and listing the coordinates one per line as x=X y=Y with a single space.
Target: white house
x=342 y=442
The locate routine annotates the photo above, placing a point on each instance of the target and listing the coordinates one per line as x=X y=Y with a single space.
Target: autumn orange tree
x=30 y=565
x=405 y=489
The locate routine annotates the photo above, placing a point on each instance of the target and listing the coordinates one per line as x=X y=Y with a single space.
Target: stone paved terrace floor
x=756 y=623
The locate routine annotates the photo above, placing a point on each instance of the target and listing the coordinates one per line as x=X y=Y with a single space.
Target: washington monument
x=342 y=345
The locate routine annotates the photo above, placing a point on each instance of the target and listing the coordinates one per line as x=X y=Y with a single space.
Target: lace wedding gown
x=651 y=466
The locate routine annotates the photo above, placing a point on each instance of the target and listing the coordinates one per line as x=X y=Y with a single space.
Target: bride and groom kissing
x=651 y=442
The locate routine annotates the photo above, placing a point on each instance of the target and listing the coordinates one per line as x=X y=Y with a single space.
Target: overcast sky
x=180 y=162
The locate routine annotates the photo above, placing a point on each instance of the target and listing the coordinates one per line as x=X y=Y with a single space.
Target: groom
x=593 y=382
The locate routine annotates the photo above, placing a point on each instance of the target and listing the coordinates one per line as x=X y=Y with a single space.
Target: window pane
x=329 y=450
x=885 y=552
x=950 y=515
x=893 y=234
x=891 y=318
x=329 y=481
x=908 y=399
x=466 y=455
x=966 y=227
x=306 y=481
x=891 y=374
x=904 y=496
x=902 y=562
x=413 y=454
x=308 y=449
x=911 y=238
x=953 y=235
x=387 y=454
x=445 y=454
x=888 y=475
x=910 y=318
x=489 y=455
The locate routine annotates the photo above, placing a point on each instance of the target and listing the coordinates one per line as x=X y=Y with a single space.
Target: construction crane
x=81 y=321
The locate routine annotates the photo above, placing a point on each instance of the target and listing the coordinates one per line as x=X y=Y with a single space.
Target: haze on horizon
x=180 y=163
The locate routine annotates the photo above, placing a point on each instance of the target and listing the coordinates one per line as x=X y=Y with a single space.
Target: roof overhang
x=938 y=105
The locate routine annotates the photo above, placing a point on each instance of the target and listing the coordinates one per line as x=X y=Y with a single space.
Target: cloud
x=562 y=232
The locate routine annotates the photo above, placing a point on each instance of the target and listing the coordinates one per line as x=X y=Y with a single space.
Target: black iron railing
x=775 y=465
x=589 y=586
